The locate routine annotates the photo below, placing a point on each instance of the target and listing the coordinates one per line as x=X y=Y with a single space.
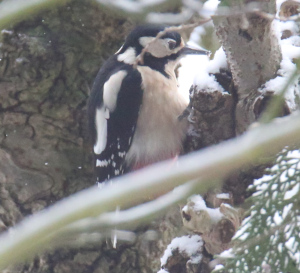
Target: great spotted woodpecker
x=134 y=108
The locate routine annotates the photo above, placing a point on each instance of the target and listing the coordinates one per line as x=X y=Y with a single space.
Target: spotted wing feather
x=119 y=123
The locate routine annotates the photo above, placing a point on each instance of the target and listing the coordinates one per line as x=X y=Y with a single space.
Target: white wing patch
x=102 y=115
x=128 y=57
x=111 y=89
x=110 y=94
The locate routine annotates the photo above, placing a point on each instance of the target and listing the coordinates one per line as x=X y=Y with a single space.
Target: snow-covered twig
x=277 y=17
x=170 y=18
x=15 y=10
x=131 y=217
x=254 y=7
x=206 y=165
x=141 y=6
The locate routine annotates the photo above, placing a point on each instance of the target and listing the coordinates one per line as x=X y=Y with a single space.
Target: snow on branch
x=16 y=10
x=210 y=164
x=133 y=6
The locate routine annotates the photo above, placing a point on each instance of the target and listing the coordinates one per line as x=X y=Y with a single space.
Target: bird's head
x=161 y=54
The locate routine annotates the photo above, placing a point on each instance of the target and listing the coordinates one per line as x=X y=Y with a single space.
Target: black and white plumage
x=133 y=111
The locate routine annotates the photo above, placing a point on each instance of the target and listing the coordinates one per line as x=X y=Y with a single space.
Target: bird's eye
x=172 y=44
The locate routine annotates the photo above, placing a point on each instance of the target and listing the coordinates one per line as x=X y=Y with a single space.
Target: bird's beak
x=193 y=51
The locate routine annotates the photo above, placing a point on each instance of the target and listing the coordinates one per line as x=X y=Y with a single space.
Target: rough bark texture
x=211 y=119
x=253 y=54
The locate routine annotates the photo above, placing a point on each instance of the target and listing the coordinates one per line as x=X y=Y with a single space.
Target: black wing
x=120 y=123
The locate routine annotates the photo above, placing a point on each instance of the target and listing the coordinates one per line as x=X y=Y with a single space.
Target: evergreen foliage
x=268 y=240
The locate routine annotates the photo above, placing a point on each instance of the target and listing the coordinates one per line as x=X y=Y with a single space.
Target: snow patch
x=223 y=196
x=290 y=49
x=291 y=193
x=199 y=205
x=219 y=61
x=8 y=32
x=189 y=245
x=227 y=254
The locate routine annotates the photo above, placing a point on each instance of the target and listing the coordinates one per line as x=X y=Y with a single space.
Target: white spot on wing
x=128 y=56
x=102 y=114
x=111 y=89
x=121 y=154
x=101 y=163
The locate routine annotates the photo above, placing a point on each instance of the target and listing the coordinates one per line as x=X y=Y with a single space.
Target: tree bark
x=253 y=55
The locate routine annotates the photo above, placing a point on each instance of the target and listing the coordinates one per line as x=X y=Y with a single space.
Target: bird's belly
x=159 y=133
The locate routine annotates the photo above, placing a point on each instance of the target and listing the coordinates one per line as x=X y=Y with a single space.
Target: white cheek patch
x=111 y=89
x=128 y=57
x=158 y=48
x=102 y=115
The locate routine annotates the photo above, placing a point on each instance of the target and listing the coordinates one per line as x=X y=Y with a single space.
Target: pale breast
x=159 y=134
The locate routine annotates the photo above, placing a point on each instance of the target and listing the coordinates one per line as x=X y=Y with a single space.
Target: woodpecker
x=134 y=107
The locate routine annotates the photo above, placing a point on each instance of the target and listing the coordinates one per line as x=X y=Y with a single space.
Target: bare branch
x=276 y=17
x=140 y=58
x=209 y=164
x=254 y=7
x=139 y=8
x=170 y=18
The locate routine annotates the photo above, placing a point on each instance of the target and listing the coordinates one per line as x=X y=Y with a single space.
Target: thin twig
x=270 y=16
x=140 y=57
x=252 y=8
